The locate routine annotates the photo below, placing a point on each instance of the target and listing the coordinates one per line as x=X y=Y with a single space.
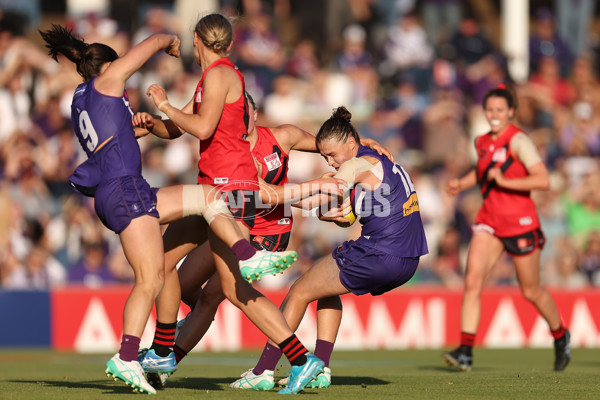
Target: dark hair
x=502 y=90
x=251 y=100
x=338 y=127
x=216 y=32
x=89 y=58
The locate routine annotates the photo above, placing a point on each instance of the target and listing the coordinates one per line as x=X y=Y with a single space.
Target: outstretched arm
x=112 y=81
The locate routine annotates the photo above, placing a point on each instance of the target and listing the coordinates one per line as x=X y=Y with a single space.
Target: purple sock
x=323 y=350
x=268 y=359
x=243 y=250
x=129 y=348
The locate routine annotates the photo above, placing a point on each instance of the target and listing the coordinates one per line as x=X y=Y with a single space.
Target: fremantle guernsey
x=225 y=159
x=508 y=212
x=278 y=219
x=103 y=127
x=390 y=217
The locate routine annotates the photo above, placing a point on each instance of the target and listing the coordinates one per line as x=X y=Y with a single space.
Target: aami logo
x=221 y=180
x=283 y=221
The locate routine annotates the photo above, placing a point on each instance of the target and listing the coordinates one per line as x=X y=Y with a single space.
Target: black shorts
x=242 y=204
x=525 y=243
x=277 y=242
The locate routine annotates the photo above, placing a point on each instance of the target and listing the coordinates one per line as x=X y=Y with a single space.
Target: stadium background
x=412 y=83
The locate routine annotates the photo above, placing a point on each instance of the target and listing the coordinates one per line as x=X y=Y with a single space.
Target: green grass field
x=412 y=374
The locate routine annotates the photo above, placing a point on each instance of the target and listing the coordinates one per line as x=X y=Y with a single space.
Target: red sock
x=164 y=337
x=560 y=332
x=179 y=353
x=294 y=350
x=467 y=339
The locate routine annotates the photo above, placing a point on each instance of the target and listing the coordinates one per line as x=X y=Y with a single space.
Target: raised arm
x=215 y=94
x=112 y=81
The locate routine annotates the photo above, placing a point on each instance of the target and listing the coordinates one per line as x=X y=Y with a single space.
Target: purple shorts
x=119 y=200
x=365 y=269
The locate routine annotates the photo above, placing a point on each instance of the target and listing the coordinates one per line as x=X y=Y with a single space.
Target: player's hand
x=333 y=186
x=158 y=94
x=453 y=187
x=373 y=145
x=173 y=49
x=495 y=174
x=143 y=120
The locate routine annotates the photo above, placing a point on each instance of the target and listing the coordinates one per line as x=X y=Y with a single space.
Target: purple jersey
x=103 y=126
x=390 y=214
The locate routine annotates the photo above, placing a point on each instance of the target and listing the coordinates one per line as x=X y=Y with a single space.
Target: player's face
x=498 y=113
x=335 y=152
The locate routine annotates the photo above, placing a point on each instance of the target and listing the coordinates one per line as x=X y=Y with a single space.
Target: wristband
x=162 y=103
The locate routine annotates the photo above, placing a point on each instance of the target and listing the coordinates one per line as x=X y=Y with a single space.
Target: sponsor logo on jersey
x=221 y=181
x=499 y=155
x=272 y=161
x=525 y=221
x=283 y=221
x=411 y=205
x=199 y=96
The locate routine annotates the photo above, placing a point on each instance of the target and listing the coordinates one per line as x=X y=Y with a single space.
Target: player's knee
x=532 y=294
x=212 y=297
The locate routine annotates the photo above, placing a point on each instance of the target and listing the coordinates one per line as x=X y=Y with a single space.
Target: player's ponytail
x=503 y=90
x=89 y=58
x=338 y=127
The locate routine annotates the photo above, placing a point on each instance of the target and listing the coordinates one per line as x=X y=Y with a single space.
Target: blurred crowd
x=413 y=74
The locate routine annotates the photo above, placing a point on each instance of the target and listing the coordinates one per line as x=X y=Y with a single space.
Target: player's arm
x=537 y=174
x=294 y=192
x=112 y=81
x=203 y=123
x=291 y=137
x=145 y=123
x=457 y=185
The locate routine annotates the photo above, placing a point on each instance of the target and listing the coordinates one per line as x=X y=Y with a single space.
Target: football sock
x=294 y=350
x=467 y=339
x=243 y=250
x=179 y=353
x=129 y=348
x=268 y=359
x=164 y=337
x=558 y=333
x=323 y=350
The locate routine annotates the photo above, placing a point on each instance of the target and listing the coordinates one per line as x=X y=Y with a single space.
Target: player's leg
x=329 y=318
x=180 y=238
x=484 y=250
x=265 y=315
x=198 y=321
x=142 y=245
x=527 y=268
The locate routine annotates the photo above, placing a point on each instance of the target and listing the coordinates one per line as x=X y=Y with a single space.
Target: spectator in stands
x=92 y=270
x=546 y=42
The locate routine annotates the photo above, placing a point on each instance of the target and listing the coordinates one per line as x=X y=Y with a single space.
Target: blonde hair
x=216 y=32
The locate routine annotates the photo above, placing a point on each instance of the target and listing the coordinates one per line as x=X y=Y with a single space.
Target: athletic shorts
x=242 y=204
x=119 y=200
x=368 y=270
x=525 y=243
x=278 y=242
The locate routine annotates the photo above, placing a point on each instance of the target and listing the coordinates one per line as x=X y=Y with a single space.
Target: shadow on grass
x=218 y=383
x=105 y=386
x=197 y=383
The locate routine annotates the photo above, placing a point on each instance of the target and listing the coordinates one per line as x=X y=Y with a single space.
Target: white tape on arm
x=351 y=168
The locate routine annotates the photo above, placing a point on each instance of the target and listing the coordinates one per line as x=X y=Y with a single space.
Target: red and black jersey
x=274 y=161
x=509 y=212
x=225 y=159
